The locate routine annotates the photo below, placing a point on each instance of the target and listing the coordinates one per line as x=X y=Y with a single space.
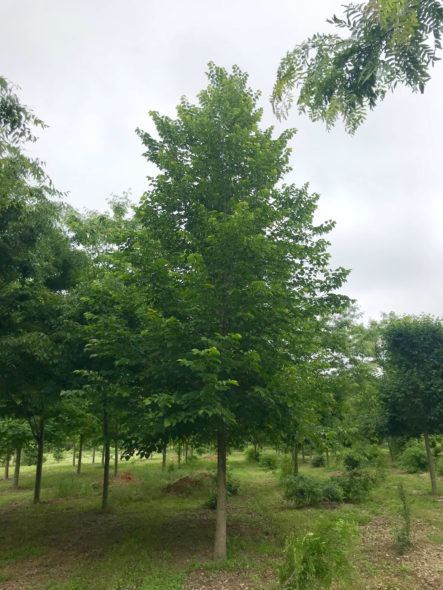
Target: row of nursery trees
x=206 y=312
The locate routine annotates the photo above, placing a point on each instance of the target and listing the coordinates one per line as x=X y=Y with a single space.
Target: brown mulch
x=422 y=563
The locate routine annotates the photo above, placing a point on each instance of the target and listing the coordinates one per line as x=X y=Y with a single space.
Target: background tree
x=388 y=42
x=38 y=265
x=412 y=383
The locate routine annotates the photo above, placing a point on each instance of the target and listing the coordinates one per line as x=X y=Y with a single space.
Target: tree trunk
x=431 y=465
x=391 y=451
x=39 y=468
x=18 y=456
x=93 y=455
x=164 y=457
x=8 y=458
x=73 y=453
x=186 y=453
x=116 y=459
x=222 y=507
x=327 y=457
x=179 y=456
x=106 y=456
x=295 y=458
x=79 y=458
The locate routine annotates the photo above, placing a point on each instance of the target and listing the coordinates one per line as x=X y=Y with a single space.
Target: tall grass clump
x=313 y=561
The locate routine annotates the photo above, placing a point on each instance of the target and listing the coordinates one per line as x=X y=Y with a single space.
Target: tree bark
x=116 y=459
x=103 y=454
x=106 y=458
x=93 y=455
x=18 y=456
x=327 y=457
x=295 y=458
x=79 y=457
x=431 y=465
x=164 y=457
x=179 y=456
x=73 y=453
x=186 y=453
x=39 y=469
x=222 y=504
x=8 y=458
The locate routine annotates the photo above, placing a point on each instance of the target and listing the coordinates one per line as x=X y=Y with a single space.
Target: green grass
x=149 y=540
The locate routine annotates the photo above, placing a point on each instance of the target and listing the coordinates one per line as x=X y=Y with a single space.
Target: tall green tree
x=412 y=383
x=385 y=43
x=244 y=260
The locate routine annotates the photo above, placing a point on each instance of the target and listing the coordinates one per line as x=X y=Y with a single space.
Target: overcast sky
x=92 y=69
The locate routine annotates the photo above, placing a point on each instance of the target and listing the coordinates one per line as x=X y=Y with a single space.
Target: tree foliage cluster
x=384 y=43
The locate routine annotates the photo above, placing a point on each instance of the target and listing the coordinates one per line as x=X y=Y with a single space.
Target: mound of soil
x=186 y=484
x=125 y=477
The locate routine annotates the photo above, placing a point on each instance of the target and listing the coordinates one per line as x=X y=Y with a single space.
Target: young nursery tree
x=246 y=263
x=413 y=379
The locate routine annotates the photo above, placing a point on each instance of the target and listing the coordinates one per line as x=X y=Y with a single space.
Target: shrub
x=318 y=558
x=268 y=461
x=232 y=487
x=302 y=490
x=332 y=491
x=354 y=460
x=318 y=461
x=286 y=466
x=252 y=455
x=413 y=459
x=355 y=485
x=58 y=455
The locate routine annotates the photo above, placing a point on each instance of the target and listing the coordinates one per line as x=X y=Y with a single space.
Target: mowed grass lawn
x=150 y=539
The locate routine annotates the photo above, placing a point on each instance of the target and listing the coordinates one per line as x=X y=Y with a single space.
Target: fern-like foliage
x=340 y=76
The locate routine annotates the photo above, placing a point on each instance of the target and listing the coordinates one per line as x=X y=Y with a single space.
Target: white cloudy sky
x=92 y=69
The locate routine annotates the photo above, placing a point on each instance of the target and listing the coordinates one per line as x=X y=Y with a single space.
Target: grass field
x=150 y=539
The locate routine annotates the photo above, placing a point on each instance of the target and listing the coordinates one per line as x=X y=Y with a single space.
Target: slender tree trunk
x=105 y=458
x=179 y=456
x=18 y=456
x=73 y=453
x=93 y=455
x=391 y=450
x=431 y=465
x=222 y=505
x=80 y=452
x=116 y=459
x=327 y=457
x=7 y=460
x=295 y=458
x=164 y=457
x=39 y=468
